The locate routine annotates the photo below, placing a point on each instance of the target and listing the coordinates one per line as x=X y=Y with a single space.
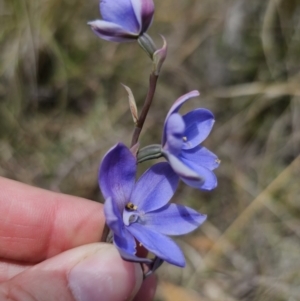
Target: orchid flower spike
x=139 y=213
x=181 y=147
x=123 y=20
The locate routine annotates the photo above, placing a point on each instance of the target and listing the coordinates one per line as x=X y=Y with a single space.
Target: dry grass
x=62 y=106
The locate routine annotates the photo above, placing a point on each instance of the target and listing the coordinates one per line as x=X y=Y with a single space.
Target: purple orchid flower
x=123 y=20
x=181 y=147
x=140 y=211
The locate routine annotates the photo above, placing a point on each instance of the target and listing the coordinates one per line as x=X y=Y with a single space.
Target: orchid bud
x=123 y=20
x=147 y=45
x=153 y=151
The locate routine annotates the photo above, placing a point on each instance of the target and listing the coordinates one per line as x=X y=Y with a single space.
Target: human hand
x=50 y=250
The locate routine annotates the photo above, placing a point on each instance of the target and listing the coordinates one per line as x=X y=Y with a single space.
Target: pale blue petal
x=175 y=108
x=209 y=181
x=112 y=32
x=155 y=188
x=181 y=168
x=174 y=219
x=191 y=171
x=200 y=155
x=159 y=244
x=120 y=12
x=198 y=124
x=113 y=216
x=175 y=130
x=117 y=175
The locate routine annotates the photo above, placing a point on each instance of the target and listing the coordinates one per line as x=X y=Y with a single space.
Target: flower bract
x=123 y=20
x=138 y=212
x=181 y=140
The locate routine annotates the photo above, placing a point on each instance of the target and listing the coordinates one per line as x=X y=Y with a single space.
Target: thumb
x=87 y=273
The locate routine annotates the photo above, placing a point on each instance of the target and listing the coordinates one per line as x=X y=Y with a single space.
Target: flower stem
x=105 y=233
x=147 y=104
x=137 y=131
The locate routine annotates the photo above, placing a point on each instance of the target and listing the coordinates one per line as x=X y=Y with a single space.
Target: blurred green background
x=62 y=107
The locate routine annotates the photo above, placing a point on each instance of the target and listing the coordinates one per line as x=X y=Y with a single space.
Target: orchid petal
x=112 y=32
x=209 y=179
x=176 y=106
x=117 y=175
x=125 y=242
x=144 y=10
x=181 y=168
x=166 y=220
x=113 y=216
x=200 y=155
x=159 y=244
x=126 y=245
x=155 y=187
x=198 y=123
x=120 y=12
x=175 y=129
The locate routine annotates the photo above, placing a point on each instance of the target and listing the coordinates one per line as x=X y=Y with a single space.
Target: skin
x=50 y=250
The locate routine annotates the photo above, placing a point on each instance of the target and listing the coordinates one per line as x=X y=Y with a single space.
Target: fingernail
x=105 y=276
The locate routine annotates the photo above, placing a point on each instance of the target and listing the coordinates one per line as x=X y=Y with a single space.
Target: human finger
x=87 y=273
x=9 y=269
x=36 y=224
x=147 y=290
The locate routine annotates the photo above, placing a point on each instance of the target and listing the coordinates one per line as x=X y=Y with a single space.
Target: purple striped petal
x=117 y=175
x=112 y=32
x=181 y=168
x=198 y=124
x=174 y=219
x=122 y=13
x=176 y=106
x=159 y=244
x=200 y=155
x=175 y=130
x=144 y=10
x=155 y=187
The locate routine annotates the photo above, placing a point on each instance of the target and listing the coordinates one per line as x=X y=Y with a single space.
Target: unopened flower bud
x=147 y=44
x=123 y=20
